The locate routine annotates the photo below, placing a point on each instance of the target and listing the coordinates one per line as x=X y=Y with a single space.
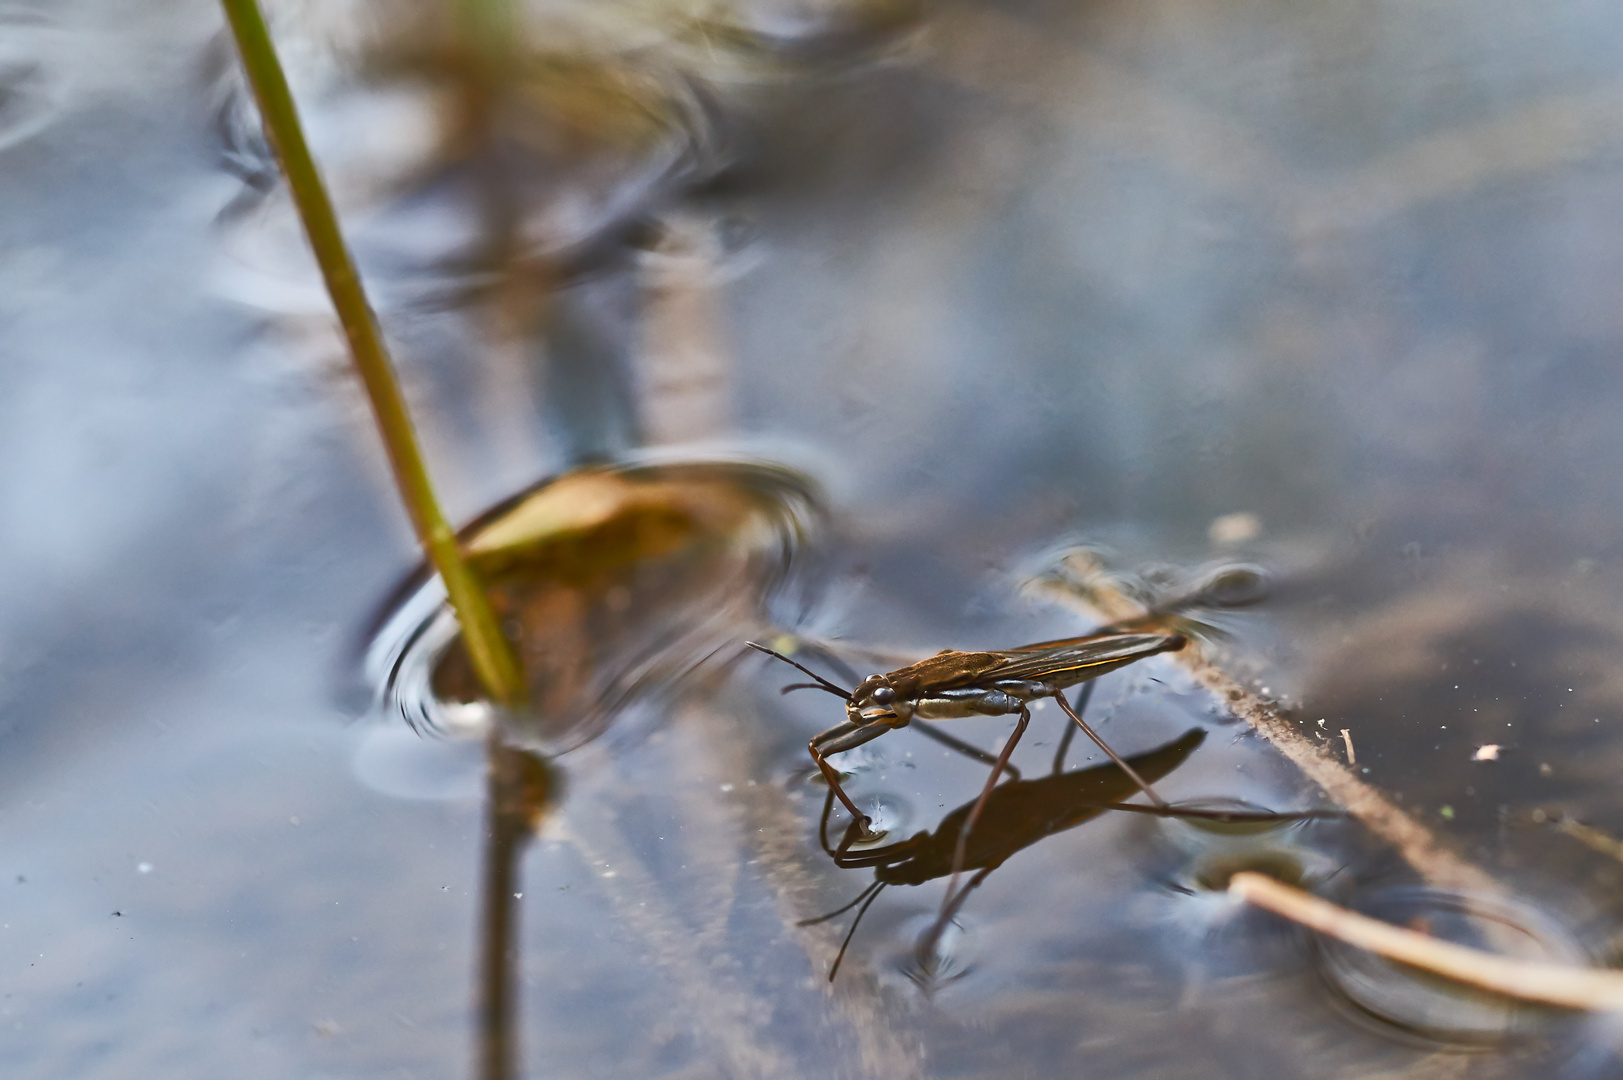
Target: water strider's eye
x=884 y=695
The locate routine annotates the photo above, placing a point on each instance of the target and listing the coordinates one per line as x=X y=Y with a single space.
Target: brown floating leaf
x=613 y=581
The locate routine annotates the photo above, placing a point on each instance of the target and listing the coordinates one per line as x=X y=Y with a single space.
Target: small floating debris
x=1486 y=752
x=1230 y=530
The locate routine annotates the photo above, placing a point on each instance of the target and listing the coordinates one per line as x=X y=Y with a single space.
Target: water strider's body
x=953 y=684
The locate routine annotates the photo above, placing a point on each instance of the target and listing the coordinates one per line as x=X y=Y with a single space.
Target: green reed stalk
x=493 y=660
x=489 y=27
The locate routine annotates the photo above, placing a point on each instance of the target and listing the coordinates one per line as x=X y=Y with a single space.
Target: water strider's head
x=877 y=701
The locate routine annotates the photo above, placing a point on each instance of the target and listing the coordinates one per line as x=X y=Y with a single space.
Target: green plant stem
x=493 y=660
x=489 y=27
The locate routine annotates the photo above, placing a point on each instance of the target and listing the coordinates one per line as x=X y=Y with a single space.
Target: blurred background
x=1326 y=289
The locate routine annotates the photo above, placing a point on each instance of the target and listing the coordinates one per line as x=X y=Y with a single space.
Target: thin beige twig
x=1551 y=984
x=1419 y=847
x=1591 y=838
x=1090 y=587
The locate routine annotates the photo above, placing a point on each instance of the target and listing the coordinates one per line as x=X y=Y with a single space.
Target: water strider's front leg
x=844 y=736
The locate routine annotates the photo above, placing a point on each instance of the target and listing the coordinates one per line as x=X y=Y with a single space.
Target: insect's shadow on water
x=1018 y=813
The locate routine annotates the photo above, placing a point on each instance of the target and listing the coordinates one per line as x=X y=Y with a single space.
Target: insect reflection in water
x=1017 y=814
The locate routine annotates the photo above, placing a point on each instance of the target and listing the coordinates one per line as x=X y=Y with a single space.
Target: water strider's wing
x=947 y=670
x=1072 y=661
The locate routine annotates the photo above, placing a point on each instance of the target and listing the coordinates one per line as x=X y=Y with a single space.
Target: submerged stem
x=521 y=789
x=492 y=656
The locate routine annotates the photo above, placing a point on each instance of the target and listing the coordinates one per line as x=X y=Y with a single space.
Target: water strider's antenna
x=820 y=684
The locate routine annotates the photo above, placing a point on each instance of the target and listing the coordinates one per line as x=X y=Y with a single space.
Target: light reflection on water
x=1104 y=271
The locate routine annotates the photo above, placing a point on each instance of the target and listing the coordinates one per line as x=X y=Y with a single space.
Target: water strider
x=953 y=684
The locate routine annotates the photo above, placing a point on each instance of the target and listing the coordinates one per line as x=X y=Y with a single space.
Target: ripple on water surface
x=33 y=74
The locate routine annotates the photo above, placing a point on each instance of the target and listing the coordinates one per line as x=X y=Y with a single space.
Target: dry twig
x=1420 y=848
x=1550 y=984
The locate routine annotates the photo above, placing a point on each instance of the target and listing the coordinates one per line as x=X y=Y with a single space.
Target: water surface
x=999 y=279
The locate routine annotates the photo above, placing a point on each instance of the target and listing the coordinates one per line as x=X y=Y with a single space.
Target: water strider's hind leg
x=1064 y=748
x=1143 y=785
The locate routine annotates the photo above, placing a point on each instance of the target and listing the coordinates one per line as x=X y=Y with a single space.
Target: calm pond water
x=1328 y=290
